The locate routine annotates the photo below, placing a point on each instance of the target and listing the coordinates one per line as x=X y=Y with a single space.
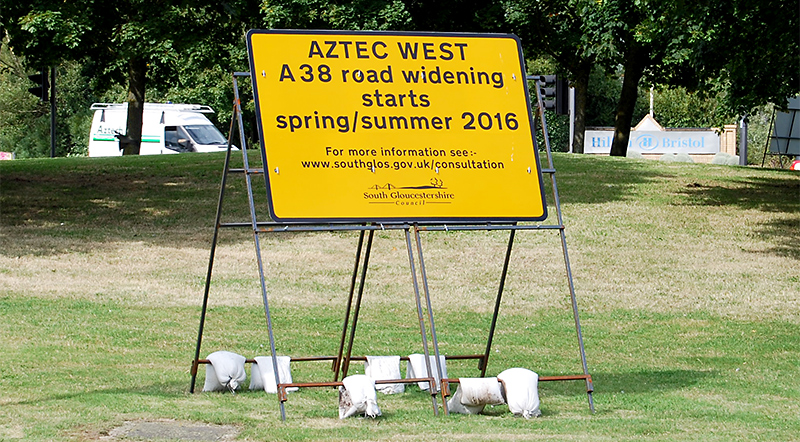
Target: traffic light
x=557 y=90
x=42 y=88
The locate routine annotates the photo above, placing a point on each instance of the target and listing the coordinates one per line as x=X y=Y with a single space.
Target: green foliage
x=749 y=53
x=457 y=15
x=737 y=54
x=25 y=120
x=557 y=130
x=557 y=27
x=324 y=14
x=723 y=58
x=676 y=107
x=758 y=132
x=19 y=110
x=603 y=95
x=557 y=125
x=132 y=41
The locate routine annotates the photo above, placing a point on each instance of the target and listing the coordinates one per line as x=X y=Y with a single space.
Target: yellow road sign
x=389 y=126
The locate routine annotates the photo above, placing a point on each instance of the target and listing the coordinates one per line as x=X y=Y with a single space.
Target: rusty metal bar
x=352 y=358
x=284 y=397
x=444 y=381
x=577 y=377
x=339 y=383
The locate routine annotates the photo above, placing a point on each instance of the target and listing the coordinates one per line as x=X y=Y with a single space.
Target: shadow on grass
x=168 y=390
x=768 y=194
x=68 y=204
x=648 y=381
x=775 y=195
x=630 y=382
x=786 y=232
x=594 y=180
x=77 y=204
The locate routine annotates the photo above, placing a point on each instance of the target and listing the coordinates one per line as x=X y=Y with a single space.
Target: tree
x=126 y=41
x=457 y=15
x=638 y=36
x=558 y=28
x=750 y=51
x=333 y=14
x=747 y=50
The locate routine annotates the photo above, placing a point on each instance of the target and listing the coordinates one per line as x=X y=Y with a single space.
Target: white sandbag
x=225 y=372
x=262 y=374
x=480 y=391
x=454 y=405
x=384 y=367
x=357 y=396
x=521 y=391
x=417 y=369
x=473 y=394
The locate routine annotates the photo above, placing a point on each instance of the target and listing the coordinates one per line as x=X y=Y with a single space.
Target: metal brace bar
x=485 y=361
x=573 y=299
x=439 y=372
x=423 y=333
x=346 y=362
x=337 y=362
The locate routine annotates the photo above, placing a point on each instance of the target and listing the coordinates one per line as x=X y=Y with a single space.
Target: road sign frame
x=353 y=128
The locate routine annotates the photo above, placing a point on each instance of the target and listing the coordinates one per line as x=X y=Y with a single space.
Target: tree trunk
x=137 y=73
x=581 y=85
x=634 y=68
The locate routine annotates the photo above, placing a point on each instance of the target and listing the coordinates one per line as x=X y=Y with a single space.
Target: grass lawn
x=687 y=277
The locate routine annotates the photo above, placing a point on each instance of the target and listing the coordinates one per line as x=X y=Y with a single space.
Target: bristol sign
x=648 y=137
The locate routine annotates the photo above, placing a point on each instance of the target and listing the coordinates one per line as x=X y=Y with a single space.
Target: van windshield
x=206 y=134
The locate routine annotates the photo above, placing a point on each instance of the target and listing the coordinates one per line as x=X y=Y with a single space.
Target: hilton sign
x=648 y=137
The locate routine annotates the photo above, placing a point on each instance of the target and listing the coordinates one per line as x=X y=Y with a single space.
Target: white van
x=166 y=128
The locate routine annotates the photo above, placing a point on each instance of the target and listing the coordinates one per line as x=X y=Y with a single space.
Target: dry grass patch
x=685 y=276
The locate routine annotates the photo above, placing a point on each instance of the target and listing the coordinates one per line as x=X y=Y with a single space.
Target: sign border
x=431 y=220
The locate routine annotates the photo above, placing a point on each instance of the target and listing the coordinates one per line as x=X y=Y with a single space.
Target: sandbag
x=225 y=372
x=454 y=404
x=521 y=391
x=262 y=374
x=357 y=396
x=384 y=367
x=418 y=369
x=473 y=394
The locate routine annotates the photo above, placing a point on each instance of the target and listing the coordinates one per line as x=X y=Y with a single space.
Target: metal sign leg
x=337 y=363
x=439 y=370
x=483 y=363
x=423 y=333
x=576 y=316
x=573 y=300
x=195 y=364
x=346 y=362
